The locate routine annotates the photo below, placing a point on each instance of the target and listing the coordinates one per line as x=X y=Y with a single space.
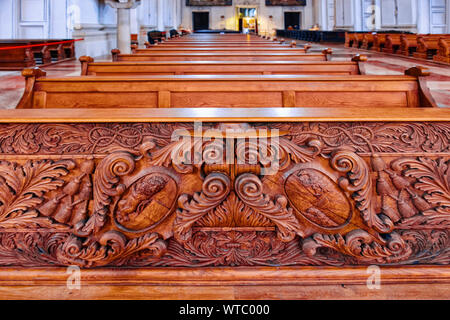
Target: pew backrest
x=229 y=56
x=165 y=50
x=356 y=66
x=217 y=91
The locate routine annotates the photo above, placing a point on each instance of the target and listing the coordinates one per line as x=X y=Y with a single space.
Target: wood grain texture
x=221 y=91
x=217 y=67
x=227 y=283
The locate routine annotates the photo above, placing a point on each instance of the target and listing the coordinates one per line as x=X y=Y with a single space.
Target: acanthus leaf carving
x=22 y=187
x=113 y=248
x=359 y=182
x=106 y=185
x=215 y=189
x=360 y=245
x=249 y=189
x=433 y=178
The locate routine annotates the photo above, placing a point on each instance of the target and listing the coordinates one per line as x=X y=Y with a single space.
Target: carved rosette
x=310 y=194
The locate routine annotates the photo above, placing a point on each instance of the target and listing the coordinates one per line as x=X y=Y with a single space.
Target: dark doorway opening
x=292 y=19
x=200 y=20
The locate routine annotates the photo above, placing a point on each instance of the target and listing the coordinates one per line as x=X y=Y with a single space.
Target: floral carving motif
x=374 y=196
x=22 y=189
x=106 y=138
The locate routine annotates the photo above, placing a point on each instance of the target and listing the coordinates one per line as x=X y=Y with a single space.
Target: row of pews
x=337 y=36
x=423 y=46
x=24 y=53
x=225 y=150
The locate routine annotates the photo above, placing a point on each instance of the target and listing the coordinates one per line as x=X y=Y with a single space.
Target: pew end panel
x=426 y=99
x=102 y=192
x=361 y=59
x=85 y=61
x=30 y=75
x=443 y=51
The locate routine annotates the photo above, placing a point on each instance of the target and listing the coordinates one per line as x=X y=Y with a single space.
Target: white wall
x=96 y=22
x=421 y=16
x=6 y=19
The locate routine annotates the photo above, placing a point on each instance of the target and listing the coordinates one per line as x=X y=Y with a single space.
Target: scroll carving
x=129 y=195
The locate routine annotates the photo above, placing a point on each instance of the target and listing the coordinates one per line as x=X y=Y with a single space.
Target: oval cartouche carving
x=146 y=202
x=317 y=198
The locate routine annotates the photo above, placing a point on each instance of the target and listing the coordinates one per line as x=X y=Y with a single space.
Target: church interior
x=219 y=149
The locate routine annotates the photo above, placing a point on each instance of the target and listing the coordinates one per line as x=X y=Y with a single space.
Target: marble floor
x=12 y=83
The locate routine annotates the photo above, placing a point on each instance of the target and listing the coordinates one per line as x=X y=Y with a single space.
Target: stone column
x=123 y=22
x=161 y=15
x=175 y=14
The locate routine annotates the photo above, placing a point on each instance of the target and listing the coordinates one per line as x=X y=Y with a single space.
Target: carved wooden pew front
x=119 y=189
x=89 y=67
x=227 y=91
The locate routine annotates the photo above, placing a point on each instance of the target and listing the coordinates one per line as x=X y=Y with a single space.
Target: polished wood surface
x=227 y=56
x=243 y=49
x=186 y=91
x=89 y=67
x=227 y=283
x=153 y=115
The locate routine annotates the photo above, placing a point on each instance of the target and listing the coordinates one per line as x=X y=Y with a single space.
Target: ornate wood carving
x=152 y=194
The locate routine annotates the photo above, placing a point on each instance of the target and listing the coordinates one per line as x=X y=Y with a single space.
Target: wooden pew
x=357 y=40
x=44 y=55
x=408 y=44
x=89 y=67
x=186 y=91
x=443 y=53
x=427 y=45
x=229 y=56
x=393 y=43
x=235 y=42
x=348 y=39
x=367 y=41
x=222 y=45
x=16 y=59
x=134 y=38
x=379 y=40
x=77 y=172
x=165 y=50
